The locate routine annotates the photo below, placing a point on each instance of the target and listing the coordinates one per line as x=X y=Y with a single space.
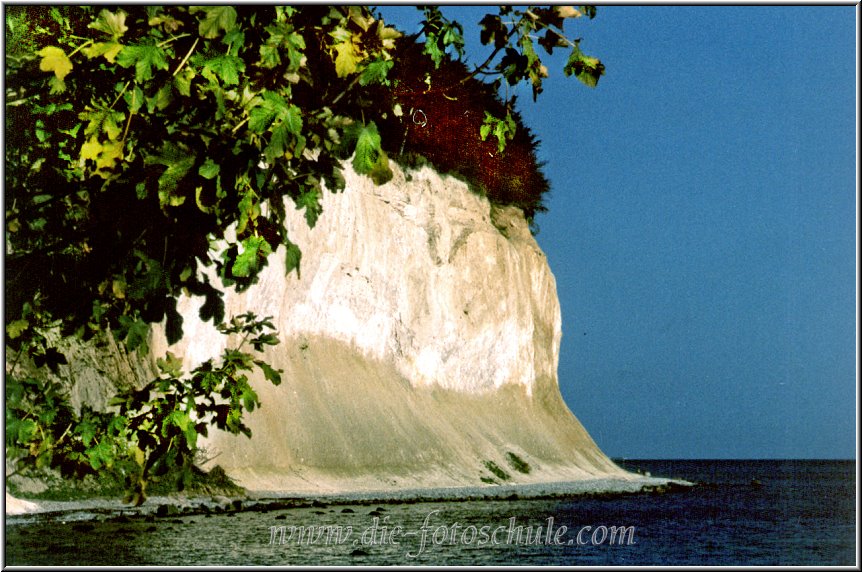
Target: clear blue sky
x=702 y=227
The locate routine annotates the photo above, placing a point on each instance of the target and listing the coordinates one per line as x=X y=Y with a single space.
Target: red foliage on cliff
x=443 y=111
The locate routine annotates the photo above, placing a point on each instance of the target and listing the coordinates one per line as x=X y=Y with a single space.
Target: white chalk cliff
x=419 y=344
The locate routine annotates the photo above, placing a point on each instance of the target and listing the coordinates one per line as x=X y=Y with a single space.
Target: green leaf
x=113 y=24
x=179 y=419
x=587 y=69
x=103 y=120
x=249 y=398
x=117 y=424
x=178 y=163
x=367 y=148
x=160 y=101
x=16 y=328
x=292 y=119
x=272 y=105
x=381 y=173
x=135 y=98
x=292 y=257
x=226 y=67
x=101 y=454
x=376 y=72
x=209 y=169
x=248 y=261
x=183 y=82
x=145 y=58
x=310 y=201
x=170 y=365
x=26 y=430
x=134 y=332
x=108 y=50
x=87 y=430
x=57 y=85
x=216 y=18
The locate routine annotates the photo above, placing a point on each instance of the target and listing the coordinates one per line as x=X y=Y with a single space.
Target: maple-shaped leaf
x=376 y=72
x=279 y=142
x=105 y=155
x=55 y=60
x=170 y=365
x=387 y=35
x=226 y=68
x=292 y=257
x=16 y=328
x=262 y=116
x=103 y=120
x=144 y=57
x=57 y=85
x=178 y=162
x=347 y=58
x=107 y=49
x=272 y=374
x=216 y=18
x=310 y=201
x=587 y=69
x=111 y=152
x=367 y=148
x=248 y=261
x=110 y=23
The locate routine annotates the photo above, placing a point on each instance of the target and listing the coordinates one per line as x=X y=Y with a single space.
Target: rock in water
x=420 y=342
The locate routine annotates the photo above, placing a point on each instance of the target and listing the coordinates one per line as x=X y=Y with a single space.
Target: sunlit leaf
x=209 y=169
x=367 y=148
x=113 y=24
x=216 y=19
x=16 y=328
x=55 y=60
x=107 y=49
x=255 y=248
x=347 y=58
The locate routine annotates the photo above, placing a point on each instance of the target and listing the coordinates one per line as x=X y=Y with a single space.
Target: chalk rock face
x=419 y=347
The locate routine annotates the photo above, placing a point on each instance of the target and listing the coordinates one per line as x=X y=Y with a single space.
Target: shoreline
x=23 y=511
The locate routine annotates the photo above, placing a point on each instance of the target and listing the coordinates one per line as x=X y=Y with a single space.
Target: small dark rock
x=359 y=552
x=319 y=504
x=167 y=510
x=281 y=517
x=236 y=504
x=346 y=510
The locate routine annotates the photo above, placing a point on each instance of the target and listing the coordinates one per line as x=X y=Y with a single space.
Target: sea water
x=741 y=513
